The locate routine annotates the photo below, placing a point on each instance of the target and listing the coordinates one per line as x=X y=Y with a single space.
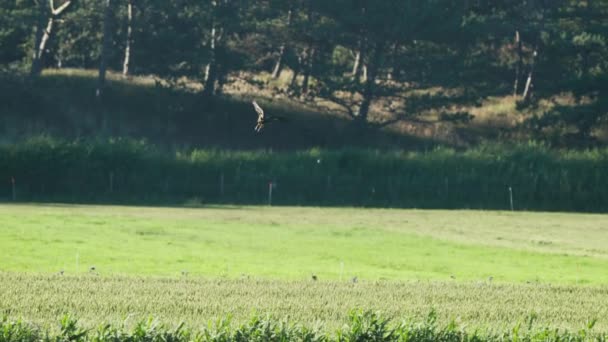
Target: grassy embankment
x=63 y=103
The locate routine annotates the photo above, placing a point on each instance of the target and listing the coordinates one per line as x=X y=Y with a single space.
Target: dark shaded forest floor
x=63 y=103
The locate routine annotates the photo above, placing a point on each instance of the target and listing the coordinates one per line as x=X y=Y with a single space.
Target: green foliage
x=134 y=171
x=419 y=44
x=14 y=16
x=17 y=331
x=70 y=331
x=363 y=327
x=366 y=326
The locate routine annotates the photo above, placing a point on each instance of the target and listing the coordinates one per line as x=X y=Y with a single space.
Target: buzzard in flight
x=264 y=119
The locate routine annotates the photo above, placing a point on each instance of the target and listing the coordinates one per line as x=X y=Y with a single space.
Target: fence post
x=111 y=181
x=14 y=190
x=222 y=184
x=511 y=197
x=270 y=186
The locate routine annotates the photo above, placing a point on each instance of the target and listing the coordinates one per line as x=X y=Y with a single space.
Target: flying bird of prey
x=264 y=119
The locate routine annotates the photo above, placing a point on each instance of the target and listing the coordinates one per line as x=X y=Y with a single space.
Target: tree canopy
x=530 y=49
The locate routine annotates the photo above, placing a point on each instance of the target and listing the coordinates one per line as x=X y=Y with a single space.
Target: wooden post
x=222 y=184
x=14 y=189
x=111 y=181
x=270 y=186
x=511 y=197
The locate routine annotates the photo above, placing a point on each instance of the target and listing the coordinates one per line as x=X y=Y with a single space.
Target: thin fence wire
x=238 y=187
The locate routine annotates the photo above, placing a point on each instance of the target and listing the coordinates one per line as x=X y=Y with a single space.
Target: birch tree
x=221 y=12
x=278 y=66
x=45 y=32
x=310 y=49
x=129 y=39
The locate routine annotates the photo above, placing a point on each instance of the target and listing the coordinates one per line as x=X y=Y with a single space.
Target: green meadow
x=294 y=243
x=478 y=269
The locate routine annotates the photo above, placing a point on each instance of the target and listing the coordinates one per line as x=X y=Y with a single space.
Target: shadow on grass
x=65 y=106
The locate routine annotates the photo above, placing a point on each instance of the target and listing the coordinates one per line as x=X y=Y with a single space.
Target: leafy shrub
x=363 y=326
x=123 y=170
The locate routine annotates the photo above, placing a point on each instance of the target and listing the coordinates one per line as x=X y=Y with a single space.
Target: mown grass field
x=292 y=243
x=481 y=268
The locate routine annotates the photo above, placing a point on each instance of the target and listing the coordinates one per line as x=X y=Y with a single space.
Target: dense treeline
x=547 y=55
x=532 y=49
x=127 y=171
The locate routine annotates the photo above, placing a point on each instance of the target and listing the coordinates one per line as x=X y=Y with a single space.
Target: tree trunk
x=392 y=71
x=530 y=81
x=105 y=47
x=310 y=51
x=359 y=53
x=36 y=66
x=221 y=68
x=519 y=65
x=278 y=66
x=587 y=52
x=364 y=72
x=43 y=35
x=221 y=76
x=529 y=84
x=127 y=60
x=356 y=72
x=211 y=68
x=368 y=89
x=216 y=67
x=296 y=72
x=310 y=55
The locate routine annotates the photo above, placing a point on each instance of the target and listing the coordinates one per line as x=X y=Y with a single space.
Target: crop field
x=479 y=268
x=43 y=299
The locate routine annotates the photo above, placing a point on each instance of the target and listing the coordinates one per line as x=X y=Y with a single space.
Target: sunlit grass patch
x=295 y=242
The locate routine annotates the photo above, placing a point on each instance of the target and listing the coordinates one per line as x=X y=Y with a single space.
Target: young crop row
x=530 y=176
x=362 y=326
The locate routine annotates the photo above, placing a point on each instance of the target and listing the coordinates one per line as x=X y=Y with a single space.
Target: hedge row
x=127 y=171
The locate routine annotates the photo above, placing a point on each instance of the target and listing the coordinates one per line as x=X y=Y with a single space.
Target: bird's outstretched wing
x=275 y=118
x=259 y=110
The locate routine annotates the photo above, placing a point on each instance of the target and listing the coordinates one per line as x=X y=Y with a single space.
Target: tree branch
x=58 y=11
x=344 y=104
